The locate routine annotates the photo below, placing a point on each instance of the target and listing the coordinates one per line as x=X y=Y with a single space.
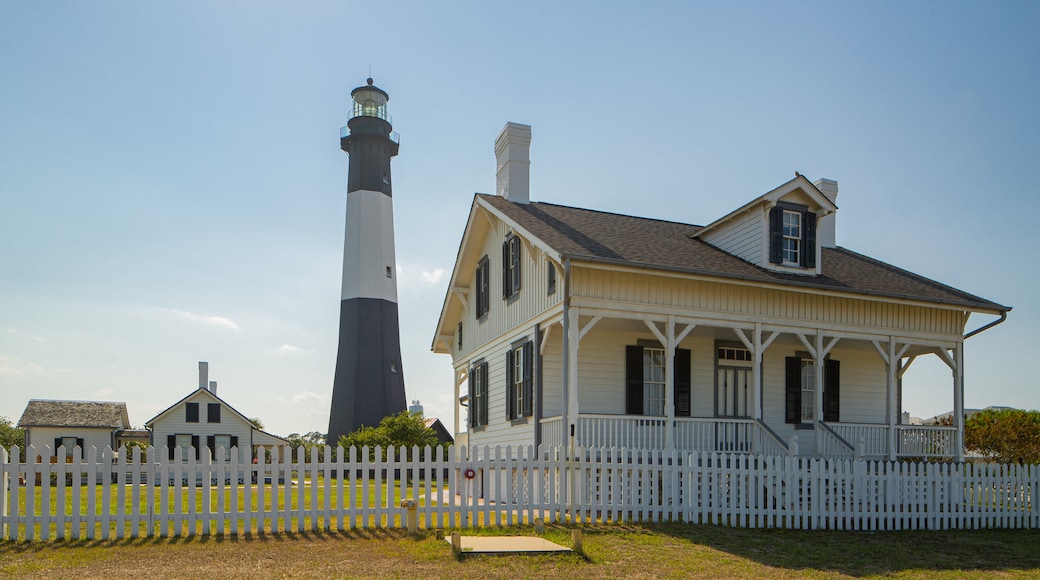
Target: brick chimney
x=825 y=231
x=203 y=375
x=513 y=154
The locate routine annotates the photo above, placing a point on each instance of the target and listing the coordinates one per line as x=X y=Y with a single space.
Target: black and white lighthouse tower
x=369 y=383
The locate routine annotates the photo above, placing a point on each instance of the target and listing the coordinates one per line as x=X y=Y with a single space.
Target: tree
x=257 y=423
x=11 y=435
x=1004 y=435
x=404 y=429
x=311 y=440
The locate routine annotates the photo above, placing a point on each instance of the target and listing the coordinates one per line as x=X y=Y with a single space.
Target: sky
x=172 y=188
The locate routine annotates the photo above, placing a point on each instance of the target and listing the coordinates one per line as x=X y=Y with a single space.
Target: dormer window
x=792 y=236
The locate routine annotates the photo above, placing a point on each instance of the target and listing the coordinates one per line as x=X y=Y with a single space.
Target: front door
x=733 y=392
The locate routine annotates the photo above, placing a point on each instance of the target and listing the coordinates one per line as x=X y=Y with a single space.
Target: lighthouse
x=369 y=382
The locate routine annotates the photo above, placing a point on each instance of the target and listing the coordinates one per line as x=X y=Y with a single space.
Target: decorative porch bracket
x=758 y=348
x=461 y=294
x=670 y=341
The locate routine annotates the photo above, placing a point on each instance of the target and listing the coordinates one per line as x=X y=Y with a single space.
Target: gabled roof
x=595 y=236
x=169 y=409
x=96 y=414
x=800 y=182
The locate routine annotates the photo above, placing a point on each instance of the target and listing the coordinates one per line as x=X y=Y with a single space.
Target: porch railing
x=691 y=434
x=829 y=443
x=874 y=436
x=552 y=432
x=911 y=440
x=925 y=441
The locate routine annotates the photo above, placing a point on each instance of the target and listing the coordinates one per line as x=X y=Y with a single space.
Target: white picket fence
x=105 y=495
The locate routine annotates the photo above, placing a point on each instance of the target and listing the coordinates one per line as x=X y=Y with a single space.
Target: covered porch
x=747 y=416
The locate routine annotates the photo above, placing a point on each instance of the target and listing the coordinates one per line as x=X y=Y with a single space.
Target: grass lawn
x=624 y=551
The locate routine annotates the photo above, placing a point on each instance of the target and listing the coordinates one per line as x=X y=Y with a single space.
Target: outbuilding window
x=519 y=371
x=644 y=381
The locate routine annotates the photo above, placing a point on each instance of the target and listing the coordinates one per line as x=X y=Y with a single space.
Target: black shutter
x=681 y=376
x=472 y=409
x=211 y=442
x=505 y=269
x=57 y=444
x=793 y=387
x=509 y=383
x=832 y=391
x=195 y=444
x=213 y=413
x=171 y=444
x=515 y=281
x=633 y=380
x=191 y=412
x=776 y=235
x=79 y=443
x=809 y=240
x=484 y=398
x=528 y=394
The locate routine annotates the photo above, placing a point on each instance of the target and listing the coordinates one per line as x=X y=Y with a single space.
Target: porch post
x=669 y=386
x=818 y=363
x=458 y=383
x=573 y=339
x=958 y=400
x=891 y=387
x=756 y=372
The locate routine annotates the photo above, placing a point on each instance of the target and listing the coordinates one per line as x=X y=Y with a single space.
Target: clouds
x=217 y=321
x=432 y=277
x=289 y=349
x=310 y=398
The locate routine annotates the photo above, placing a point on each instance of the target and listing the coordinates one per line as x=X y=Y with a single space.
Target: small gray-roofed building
x=72 y=423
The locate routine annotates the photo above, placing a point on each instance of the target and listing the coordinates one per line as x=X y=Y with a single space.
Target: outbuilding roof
x=44 y=413
x=596 y=236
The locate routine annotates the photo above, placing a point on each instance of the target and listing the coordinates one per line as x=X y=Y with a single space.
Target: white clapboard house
x=83 y=424
x=754 y=333
x=203 y=421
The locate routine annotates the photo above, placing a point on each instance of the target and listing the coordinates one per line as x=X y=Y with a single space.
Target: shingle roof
x=601 y=236
x=40 y=413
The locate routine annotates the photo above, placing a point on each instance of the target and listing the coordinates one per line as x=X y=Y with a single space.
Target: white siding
x=699 y=298
x=505 y=314
x=742 y=236
x=173 y=423
x=99 y=438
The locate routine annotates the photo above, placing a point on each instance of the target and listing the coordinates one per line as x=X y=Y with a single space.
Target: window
x=645 y=381
x=519 y=392
x=808 y=388
x=191 y=412
x=550 y=276
x=511 y=266
x=185 y=442
x=792 y=233
x=389 y=272
x=213 y=413
x=215 y=442
x=478 y=407
x=792 y=236
x=481 y=283
x=801 y=390
x=70 y=444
